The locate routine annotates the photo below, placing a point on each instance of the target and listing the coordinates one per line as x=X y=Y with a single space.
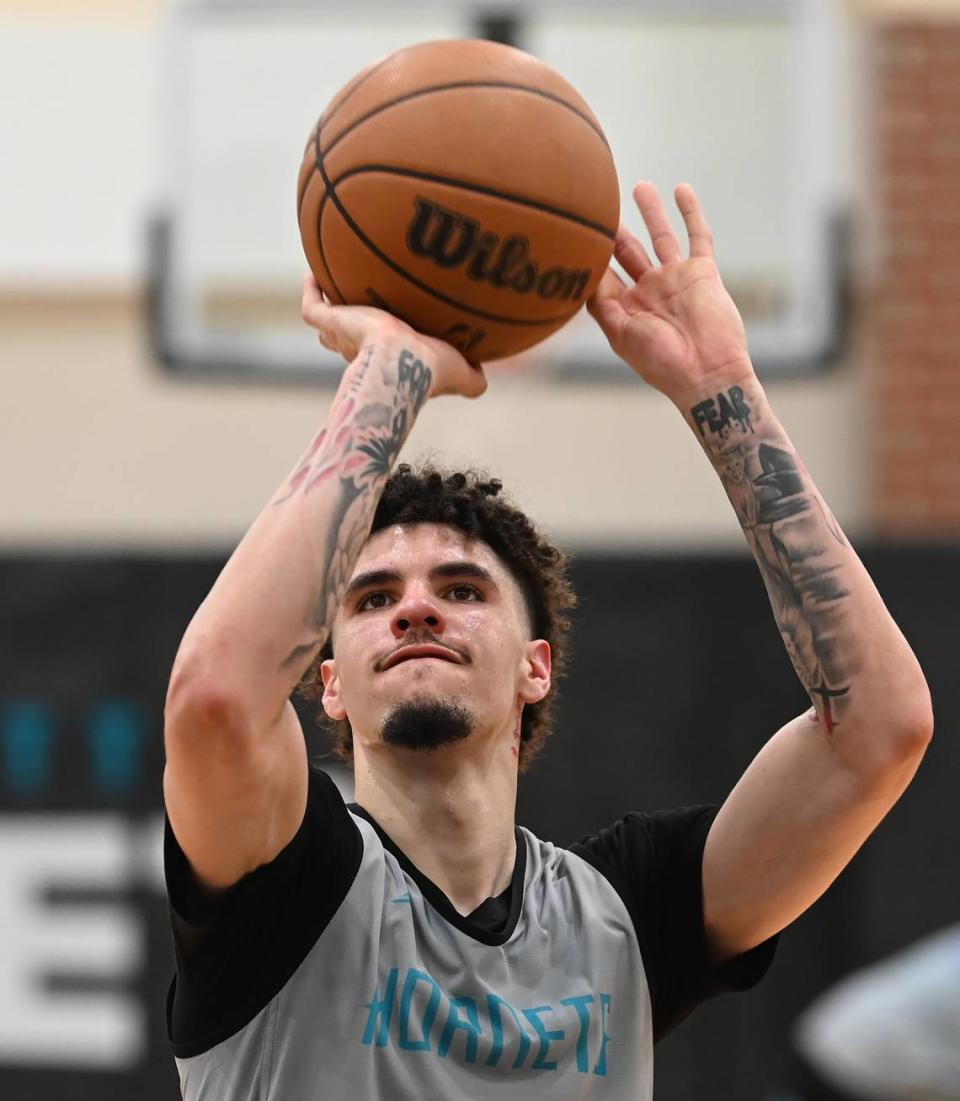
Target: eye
x=371 y=596
x=466 y=588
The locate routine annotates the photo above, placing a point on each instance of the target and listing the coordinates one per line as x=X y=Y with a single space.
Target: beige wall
x=918 y=9
x=99 y=448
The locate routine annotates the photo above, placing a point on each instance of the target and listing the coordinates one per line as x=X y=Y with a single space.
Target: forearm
x=270 y=611
x=862 y=677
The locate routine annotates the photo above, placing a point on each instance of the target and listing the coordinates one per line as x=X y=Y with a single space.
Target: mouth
x=409 y=653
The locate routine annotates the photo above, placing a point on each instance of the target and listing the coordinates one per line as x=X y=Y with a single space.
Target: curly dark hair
x=471 y=501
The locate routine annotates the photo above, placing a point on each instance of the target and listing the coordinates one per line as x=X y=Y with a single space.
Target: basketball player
x=417 y=944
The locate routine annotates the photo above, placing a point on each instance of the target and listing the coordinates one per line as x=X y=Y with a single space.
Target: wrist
x=387 y=344
x=739 y=373
x=362 y=372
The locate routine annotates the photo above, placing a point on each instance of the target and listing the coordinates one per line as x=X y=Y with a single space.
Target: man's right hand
x=346 y=330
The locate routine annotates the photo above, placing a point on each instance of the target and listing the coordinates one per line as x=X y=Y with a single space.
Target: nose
x=416 y=610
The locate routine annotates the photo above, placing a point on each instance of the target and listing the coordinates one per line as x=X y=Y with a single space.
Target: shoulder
x=326 y=839
x=236 y=949
x=654 y=862
x=643 y=844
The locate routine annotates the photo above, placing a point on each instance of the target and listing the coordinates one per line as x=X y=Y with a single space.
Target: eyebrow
x=445 y=569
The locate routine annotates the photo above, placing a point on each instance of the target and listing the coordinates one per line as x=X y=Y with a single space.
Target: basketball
x=465 y=187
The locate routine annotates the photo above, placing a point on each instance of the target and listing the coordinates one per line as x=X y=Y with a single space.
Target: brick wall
x=913 y=321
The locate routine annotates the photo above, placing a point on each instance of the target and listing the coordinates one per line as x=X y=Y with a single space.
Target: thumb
x=476 y=382
x=454 y=375
x=605 y=306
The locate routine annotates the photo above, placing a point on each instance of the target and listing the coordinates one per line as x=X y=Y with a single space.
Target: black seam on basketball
x=314 y=138
x=465 y=84
x=331 y=193
x=301 y=194
x=380 y=303
x=480 y=189
x=321 y=122
x=323 y=255
x=328 y=191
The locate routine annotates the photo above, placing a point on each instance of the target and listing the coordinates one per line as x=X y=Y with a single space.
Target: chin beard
x=426 y=724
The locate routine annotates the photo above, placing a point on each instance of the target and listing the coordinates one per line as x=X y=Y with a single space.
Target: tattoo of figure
x=786 y=526
x=357 y=452
x=831 y=523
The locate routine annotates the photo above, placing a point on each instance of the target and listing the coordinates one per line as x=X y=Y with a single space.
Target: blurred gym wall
x=123 y=489
x=128 y=457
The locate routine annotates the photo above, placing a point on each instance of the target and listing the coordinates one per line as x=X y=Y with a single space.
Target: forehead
x=412 y=547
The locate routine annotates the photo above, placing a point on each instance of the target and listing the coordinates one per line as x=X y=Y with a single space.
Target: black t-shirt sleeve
x=655 y=863
x=235 y=949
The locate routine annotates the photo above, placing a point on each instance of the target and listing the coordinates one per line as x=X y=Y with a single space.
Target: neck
x=450 y=811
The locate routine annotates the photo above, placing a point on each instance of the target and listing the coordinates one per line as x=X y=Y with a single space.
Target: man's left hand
x=676 y=326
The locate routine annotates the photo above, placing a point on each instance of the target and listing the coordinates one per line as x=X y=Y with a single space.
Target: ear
x=536 y=679
x=332 y=703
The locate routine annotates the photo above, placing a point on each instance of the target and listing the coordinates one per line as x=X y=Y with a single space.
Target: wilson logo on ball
x=452 y=240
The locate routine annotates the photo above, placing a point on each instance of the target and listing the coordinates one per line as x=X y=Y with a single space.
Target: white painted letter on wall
x=41 y=939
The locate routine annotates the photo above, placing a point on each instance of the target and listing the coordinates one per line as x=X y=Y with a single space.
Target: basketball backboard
x=746 y=100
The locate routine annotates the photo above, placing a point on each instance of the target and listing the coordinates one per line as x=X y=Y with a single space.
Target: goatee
x=426 y=723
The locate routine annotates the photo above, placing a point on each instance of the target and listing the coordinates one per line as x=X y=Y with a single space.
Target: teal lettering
x=580 y=1005
x=418 y=1010
x=116 y=740
x=415 y=976
x=26 y=739
x=601 y=1067
x=494 y=1001
x=471 y=1026
x=381 y=1012
x=545 y=1035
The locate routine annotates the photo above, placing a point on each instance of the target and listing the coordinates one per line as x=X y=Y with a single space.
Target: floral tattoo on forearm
x=356 y=451
x=794 y=539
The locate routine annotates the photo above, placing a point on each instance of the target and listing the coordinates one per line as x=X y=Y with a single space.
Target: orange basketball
x=465 y=187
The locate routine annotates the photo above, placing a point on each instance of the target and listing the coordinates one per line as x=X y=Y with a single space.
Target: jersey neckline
x=439 y=901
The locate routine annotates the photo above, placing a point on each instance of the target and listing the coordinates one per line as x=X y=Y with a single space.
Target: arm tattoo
x=794 y=540
x=718 y=414
x=356 y=453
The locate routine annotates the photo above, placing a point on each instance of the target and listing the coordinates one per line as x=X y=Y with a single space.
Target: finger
x=329 y=321
x=611 y=285
x=311 y=295
x=664 y=240
x=478 y=381
x=328 y=338
x=605 y=308
x=317 y=314
x=329 y=328
x=630 y=254
x=698 y=230
x=458 y=376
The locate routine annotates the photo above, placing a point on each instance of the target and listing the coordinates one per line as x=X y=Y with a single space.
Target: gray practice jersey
x=339 y=971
